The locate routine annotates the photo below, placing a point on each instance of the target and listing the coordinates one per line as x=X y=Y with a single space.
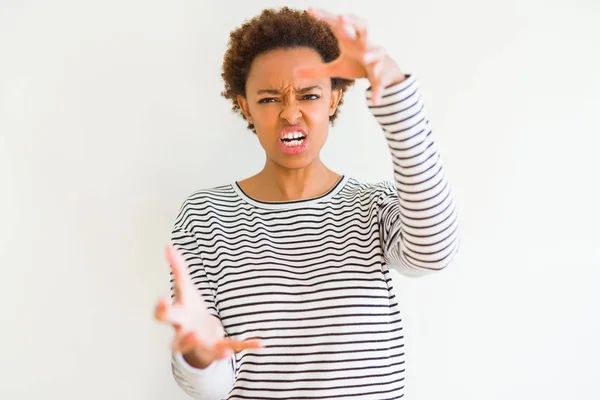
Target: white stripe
x=310 y=277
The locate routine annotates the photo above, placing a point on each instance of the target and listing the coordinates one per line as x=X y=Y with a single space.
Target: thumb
x=330 y=70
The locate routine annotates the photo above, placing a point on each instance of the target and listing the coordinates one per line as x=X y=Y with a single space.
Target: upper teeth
x=293 y=135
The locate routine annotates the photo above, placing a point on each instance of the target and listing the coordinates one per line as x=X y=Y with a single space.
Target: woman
x=298 y=256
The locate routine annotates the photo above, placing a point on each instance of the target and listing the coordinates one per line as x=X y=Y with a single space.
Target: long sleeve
x=216 y=381
x=417 y=216
x=212 y=383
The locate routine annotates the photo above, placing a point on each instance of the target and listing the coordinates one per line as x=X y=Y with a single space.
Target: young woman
x=281 y=280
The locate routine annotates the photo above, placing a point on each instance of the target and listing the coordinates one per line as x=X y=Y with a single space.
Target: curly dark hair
x=276 y=29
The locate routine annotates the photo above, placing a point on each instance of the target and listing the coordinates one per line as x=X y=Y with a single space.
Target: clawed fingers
x=353 y=29
x=373 y=55
x=343 y=32
x=178 y=266
x=171 y=314
x=323 y=15
x=329 y=17
x=188 y=341
x=375 y=78
x=228 y=346
x=346 y=27
x=239 y=345
x=161 y=309
x=374 y=60
x=183 y=285
x=335 y=69
x=358 y=23
x=358 y=58
x=184 y=341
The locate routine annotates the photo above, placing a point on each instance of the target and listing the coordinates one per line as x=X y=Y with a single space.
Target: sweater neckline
x=278 y=205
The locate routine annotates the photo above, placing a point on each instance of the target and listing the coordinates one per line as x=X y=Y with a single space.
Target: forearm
x=426 y=217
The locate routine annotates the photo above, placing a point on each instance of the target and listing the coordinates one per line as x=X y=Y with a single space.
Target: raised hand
x=199 y=336
x=358 y=58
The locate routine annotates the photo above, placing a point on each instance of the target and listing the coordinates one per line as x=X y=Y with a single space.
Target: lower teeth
x=293 y=143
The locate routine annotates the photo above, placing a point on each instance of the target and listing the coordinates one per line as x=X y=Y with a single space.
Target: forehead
x=275 y=69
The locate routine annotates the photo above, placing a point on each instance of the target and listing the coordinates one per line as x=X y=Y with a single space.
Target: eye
x=311 y=97
x=267 y=100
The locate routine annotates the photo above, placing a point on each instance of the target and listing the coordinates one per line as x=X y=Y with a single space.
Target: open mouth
x=293 y=139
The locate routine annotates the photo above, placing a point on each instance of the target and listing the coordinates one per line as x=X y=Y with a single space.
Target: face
x=290 y=115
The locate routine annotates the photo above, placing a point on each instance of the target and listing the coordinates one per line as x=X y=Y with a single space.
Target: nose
x=291 y=111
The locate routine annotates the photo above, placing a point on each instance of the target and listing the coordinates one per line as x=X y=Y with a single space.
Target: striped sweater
x=311 y=277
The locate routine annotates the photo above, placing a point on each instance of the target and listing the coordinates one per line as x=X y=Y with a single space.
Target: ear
x=243 y=103
x=336 y=96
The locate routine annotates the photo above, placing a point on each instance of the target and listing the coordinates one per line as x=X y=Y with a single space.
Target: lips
x=293 y=140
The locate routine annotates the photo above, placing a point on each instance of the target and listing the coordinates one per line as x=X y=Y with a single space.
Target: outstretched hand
x=358 y=58
x=199 y=336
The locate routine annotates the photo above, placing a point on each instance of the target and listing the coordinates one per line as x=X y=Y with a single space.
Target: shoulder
x=377 y=189
x=203 y=202
x=217 y=193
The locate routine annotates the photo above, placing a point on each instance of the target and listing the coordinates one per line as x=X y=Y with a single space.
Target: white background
x=110 y=115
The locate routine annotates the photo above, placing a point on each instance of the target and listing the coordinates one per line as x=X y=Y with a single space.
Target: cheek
x=266 y=121
x=316 y=114
x=265 y=116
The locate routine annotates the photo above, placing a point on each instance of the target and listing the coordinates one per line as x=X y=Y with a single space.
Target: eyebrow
x=300 y=91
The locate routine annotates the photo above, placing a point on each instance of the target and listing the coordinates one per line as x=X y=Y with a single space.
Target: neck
x=276 y=183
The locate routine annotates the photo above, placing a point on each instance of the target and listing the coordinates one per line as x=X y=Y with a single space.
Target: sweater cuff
x=214 y=381
x=400 y=109
x=393 y=93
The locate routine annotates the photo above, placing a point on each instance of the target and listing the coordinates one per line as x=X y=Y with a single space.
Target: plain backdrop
x=110 y=115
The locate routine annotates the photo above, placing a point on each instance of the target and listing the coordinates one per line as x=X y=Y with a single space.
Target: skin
x=284 y=74
x=277 y=98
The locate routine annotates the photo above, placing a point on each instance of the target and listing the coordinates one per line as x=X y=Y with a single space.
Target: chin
x=295 y=162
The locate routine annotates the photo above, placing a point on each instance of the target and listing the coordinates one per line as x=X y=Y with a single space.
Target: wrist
x=394 y=73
